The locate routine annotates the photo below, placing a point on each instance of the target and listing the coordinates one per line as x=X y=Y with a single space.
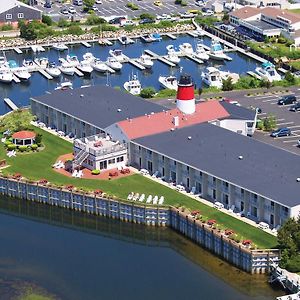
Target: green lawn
x=38 y=165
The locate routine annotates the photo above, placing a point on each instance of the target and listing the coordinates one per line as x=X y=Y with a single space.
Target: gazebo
x=24 y=138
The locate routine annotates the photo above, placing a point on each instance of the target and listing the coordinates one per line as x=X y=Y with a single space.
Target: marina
x=40 y=81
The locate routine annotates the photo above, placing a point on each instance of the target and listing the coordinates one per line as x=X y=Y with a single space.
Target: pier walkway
x=160 y=58
x=10 y=104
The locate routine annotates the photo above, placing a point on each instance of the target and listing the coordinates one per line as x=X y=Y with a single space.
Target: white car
x=218 y=205
x=98 y=2
x=208 y=13
x=95 y=8
x=72 y=10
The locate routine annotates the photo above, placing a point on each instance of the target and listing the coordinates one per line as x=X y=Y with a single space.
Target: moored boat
x=200 y=52
x=268 y=72
x=60 y=47
x=186 y=48
x=118 y=54
x=172 y=55
x=113 y=63
x=216 y=51
x=168 y=82
x=133 y=85
x=145 y=60
x=212 y=77
x=20 y=72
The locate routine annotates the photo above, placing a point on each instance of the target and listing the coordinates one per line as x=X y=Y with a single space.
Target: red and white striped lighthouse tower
x=185 y=95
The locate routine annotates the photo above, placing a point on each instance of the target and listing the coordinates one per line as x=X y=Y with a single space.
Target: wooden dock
x=160 y=58
x=78 y=73
x=104 y=41
x=171 y=36
x=86 y=44
x=18 y=50
x=16 y=79
x=192 y=33
x=44 y=73
x=136 y=64
x=193 y=58
x=10 y=104
x=254 y=75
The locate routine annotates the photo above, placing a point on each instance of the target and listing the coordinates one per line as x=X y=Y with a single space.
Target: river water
x=38 y=85
x=76 y=256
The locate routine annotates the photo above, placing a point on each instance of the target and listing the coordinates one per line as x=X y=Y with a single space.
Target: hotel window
x=119 y=159
x=214 y=180
x=20 y=16
x=8 y=17
x=111 y=161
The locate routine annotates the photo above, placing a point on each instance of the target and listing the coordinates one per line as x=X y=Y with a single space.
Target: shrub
x=166 y=93
x=6 y=27
x=132 y=6
x=147 y=92
x=34 y=147
x=95 y=172
x=227 y=84
x=63 y=23
x=38 y=139
x=7 y=143
x=23 y=148
x=293 y=264
x=94 y=20
x=75 y=30
x=11 y=147
x=270 y=122
x=47 y=20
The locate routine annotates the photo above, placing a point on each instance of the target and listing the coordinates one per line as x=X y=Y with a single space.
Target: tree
x=88 y=4
x=227 y=84
x=63 y=23
x=38 y=139
x=269 y=122
x=47 y=20
x=16 y=121
x=94 y=20
x=265 y=83
x=290 y=78
x=147 y=92
x=225 y=18
x=147 y=16
x=28 y=32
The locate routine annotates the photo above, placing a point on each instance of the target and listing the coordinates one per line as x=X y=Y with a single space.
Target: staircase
x=81 y=156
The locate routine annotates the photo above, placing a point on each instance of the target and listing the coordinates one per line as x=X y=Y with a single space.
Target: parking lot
x=117 y=8
x=284 y=118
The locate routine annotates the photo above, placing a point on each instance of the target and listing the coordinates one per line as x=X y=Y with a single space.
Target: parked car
x=298 y=143
x=117 y=20
x=72 y=10
x=290 y=99
x=98 y=2
x=147 y=21
x=157 y=3
x=64 y=11
x=208 y=13
x=47 y=5
x=295 y=107
x=281 y=132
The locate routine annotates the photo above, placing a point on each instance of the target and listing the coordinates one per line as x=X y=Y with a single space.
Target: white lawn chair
x=74 y=174
x=3 y=140
x=231 y=209
x=161 y=200
x=142 y=198
x=136 y=197
x=130 y=196
x=154 y=175
x=79 y=174
x=56 y=164
x=149 y=199
x=155 y=200
x=193 y=190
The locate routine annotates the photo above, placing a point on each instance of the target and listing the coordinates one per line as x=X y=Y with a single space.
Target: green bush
x=47 y=20
x=34 y=147
x=11 y=147
x=147 y=92
x=7 y=143
x=23 y=148
x=166 y=93
x=227 y=84
x=38 y=139
x=95 y=172
x=132 y=6
x=94 y=20
x=6 y=27
x=293 y=264
x=75 y=30
x=63 y=23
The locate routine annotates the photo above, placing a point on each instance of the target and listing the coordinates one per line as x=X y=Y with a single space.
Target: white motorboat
x=172 y=55
x=118 y=55
x=20 y=72
x=113 y=63
x=199 y=32
x=216 y=51
x=53 y=70
x=64 y=86
x=28 y=63
x=6 y=76
x=133 y=86
x=59 y=47
x=72 y=60
x=147 y=38
x=66 y=68
x=85 y=67
x=125 y=40
x=186 y=48
x=42 y=62
x=168 y=82
x=145 y=60
x=234 y=76
x=3 y=61
x=212 y=77
x=99 y=66
x=200 y=52
x=268 y=72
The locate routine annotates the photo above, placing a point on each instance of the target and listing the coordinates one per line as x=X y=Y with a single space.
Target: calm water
x=75 y=256
x=37 y=85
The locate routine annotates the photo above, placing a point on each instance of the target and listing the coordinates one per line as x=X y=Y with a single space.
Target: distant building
x=267 y=22
x=13 y=11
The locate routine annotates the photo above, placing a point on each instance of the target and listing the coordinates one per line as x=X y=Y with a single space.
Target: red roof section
x=163 y=121
x=23 y=135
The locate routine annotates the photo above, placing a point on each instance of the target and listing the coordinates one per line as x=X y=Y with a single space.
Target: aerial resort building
x=202 y=145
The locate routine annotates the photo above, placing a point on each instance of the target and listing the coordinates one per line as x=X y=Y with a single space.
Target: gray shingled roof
x=264 y=169
x=98 y=105
x=238 y=112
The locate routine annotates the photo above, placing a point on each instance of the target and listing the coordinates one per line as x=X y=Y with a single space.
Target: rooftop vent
x=298 y=179
x=119 y=110
x=189 y=137
x=172 y=129
x=241 y=157
x=152 y=113
x=81 y=95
